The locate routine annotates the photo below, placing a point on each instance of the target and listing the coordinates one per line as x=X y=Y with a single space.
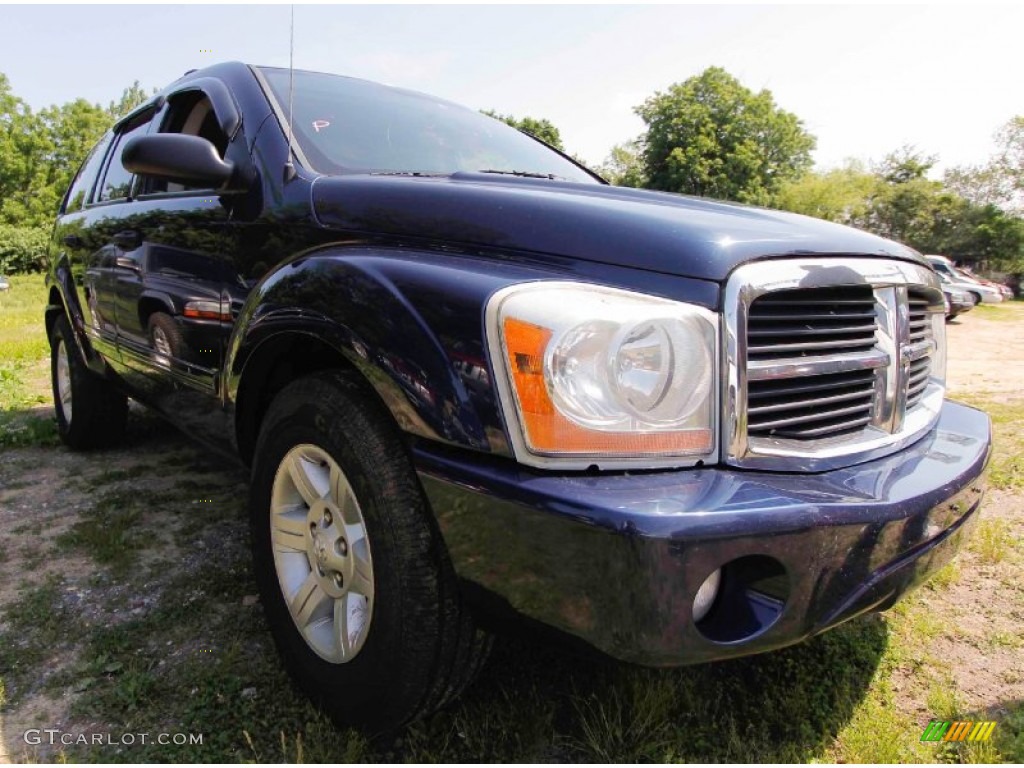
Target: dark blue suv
x=475 y=384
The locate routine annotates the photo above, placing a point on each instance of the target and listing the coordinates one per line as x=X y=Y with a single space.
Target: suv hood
x=657 y=231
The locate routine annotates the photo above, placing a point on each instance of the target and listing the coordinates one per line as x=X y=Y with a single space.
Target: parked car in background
x=5 y=284
x=1001 y=287
x=957 y=300
x=982 y=293
x=478 y=386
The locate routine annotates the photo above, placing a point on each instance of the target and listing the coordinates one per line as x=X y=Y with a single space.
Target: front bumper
x=616 y=559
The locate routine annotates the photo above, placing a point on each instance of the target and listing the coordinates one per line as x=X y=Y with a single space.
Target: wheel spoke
x=301 y=470
x=362 y=575
x=341 y=626
x=343 y=496
x=309 y=602
x=288 y=531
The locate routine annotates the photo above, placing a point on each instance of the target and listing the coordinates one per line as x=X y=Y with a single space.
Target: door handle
x=128 y=239
x=72 y=241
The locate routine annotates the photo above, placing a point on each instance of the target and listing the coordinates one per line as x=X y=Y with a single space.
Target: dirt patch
x=986 y=350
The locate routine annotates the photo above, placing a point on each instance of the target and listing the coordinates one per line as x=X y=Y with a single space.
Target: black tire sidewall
x=99 y=408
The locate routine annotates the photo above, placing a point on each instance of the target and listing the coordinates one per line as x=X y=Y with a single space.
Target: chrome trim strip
x=892 y=427
x=758 y=370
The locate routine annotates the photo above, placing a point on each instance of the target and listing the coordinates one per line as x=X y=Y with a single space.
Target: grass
x=25 y=358
x=1006 y=468
x=997 y=312
x=107 y=531
x=161 y=635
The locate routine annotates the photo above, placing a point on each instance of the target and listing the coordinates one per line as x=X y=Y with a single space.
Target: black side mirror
x=177 y=157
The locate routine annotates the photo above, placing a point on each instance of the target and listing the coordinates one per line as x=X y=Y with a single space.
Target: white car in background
x=984 y=294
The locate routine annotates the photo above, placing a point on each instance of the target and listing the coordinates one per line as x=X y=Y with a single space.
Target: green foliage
x=713 y=137
x=624 y=166
x=24 y=362
x=841 y=195
x=41 y=151
x=541 y=128
x=22 y=249
x=897 y=200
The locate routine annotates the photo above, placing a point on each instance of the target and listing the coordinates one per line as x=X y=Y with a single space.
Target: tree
x=131 y=97
x=712 y=136
x=624 y=166
x=39 y=154
x=897 y=200
x=999 y=182
x=541 y=128
x=842 y=195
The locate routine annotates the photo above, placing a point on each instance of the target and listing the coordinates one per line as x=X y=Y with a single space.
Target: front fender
x=62 y=278
x=410 y=322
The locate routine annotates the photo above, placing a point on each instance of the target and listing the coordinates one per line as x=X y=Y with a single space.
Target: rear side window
x=81 y=187
x=118 y=182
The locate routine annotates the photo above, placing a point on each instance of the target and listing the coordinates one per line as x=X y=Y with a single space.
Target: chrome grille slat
x=794 y=350
x=810 y=402
x=790 y=420
x=782 y=331
x=758 y=370
x=803 y=316
x=831 y=429
x=818 y=386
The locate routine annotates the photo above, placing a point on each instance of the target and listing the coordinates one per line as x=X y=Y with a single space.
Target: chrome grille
x=806 y=323
x=828 y=358
x=811 y=322
x=920 y=330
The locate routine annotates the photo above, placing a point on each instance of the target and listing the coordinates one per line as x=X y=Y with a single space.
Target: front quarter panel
x=409 y=321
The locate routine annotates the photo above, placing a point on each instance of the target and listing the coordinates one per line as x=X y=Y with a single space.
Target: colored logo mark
x=958 y=730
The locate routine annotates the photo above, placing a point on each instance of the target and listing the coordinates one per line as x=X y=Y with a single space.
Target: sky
x=864 y=79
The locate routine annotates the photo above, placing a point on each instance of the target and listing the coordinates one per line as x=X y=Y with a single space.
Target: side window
x=117 y=182
x=190 y=113
x=81 y=187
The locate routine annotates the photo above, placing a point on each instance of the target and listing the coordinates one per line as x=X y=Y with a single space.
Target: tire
x=91 y=412
x=411 y=643
x=977 y=298
x=165 y=337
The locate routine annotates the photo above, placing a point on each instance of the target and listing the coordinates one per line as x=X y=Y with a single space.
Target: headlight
x=592 y=375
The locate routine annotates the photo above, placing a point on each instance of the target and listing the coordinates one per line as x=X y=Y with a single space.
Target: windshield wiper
x=525 y=174
x=405 y=173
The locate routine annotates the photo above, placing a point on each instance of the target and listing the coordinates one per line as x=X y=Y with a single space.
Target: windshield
x=343 y=124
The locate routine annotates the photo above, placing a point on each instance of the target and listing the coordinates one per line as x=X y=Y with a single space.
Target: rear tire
x=165 y=337
x=328 y=451
x=91 y=412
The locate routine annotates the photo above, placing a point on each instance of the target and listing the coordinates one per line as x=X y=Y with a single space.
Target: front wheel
x=355 y=580
x=91 y=412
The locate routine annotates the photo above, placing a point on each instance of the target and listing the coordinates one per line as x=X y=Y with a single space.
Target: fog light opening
x=706 y=595
x=742 y=599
